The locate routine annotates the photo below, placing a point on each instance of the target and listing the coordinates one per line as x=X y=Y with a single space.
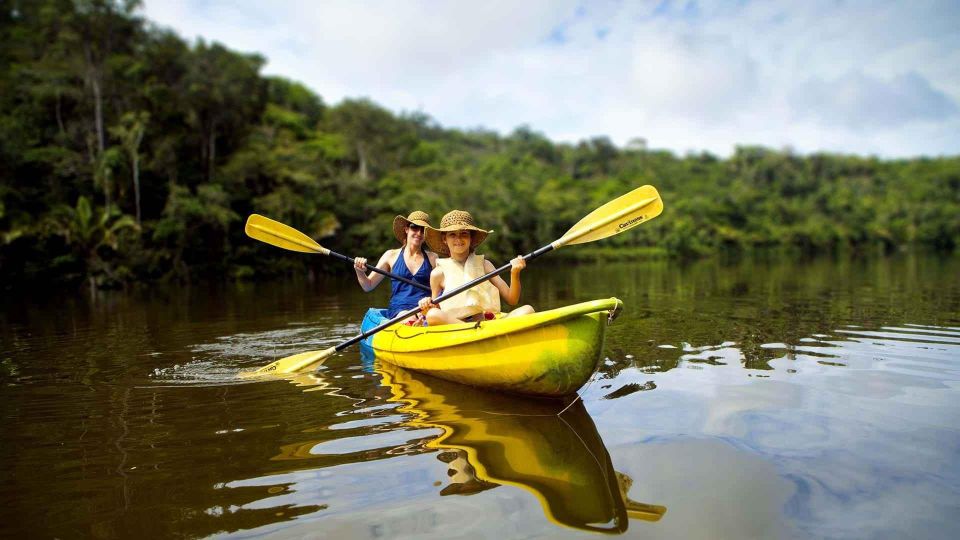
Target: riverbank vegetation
x=128 y=154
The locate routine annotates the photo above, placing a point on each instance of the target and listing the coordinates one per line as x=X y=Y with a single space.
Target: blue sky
x=864 y=77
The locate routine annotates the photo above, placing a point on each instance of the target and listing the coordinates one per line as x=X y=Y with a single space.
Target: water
x=759 y=399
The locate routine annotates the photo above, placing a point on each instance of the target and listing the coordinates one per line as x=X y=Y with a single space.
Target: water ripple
x=219 y=361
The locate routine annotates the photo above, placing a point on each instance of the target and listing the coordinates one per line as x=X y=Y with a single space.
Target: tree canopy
x=127 y=154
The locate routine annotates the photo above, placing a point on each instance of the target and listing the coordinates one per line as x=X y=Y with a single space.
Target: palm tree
x=88 y=231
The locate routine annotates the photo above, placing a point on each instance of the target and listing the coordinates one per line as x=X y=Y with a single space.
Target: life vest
x=479 y=298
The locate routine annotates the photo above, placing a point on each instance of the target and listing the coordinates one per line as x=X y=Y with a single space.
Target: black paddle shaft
x=497 y=272
x=407 y=314
x=420 y=286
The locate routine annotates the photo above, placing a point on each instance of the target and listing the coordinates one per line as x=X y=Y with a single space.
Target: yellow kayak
x=549 y=353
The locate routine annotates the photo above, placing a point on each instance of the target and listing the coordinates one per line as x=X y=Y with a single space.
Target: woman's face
x=414 y=235
x=458 y=242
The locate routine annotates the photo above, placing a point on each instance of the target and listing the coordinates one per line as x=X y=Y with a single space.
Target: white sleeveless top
x=479 y=298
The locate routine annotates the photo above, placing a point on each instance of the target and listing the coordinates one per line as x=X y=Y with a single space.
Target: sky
x=862 y=77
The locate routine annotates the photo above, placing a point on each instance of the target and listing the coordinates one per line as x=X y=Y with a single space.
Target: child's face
x=458 y=242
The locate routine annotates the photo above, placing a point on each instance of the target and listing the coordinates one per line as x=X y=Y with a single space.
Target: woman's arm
x=370 y=282
x=510 y=293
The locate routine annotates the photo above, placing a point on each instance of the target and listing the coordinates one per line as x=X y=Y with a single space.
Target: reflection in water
x=854 y=419
x=463 y=476
x=548 y=448
x=490 y=439
x=762 y=399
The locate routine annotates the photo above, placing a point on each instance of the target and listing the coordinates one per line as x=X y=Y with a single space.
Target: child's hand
x=426 y=303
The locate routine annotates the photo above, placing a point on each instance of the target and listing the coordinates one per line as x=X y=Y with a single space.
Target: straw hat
x=463 y=476
x=416 y=217
x=454 y=220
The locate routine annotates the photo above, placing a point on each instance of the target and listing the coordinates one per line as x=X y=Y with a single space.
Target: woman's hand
x=360 y=263
x=517 y=264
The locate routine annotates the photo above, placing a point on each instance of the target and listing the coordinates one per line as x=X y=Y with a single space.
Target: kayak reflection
x=490 y=439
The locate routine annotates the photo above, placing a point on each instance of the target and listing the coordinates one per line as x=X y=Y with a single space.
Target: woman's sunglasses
x=415 y=228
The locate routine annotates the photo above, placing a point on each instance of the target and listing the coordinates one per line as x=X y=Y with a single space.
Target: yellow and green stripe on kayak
x=549 y=353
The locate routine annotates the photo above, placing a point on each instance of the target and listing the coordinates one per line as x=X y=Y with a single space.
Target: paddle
x=286 y=237
x=617 y=216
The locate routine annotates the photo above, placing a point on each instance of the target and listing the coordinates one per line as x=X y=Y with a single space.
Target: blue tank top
x=403 y=296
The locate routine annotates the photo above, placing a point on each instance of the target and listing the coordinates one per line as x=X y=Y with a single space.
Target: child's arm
x=510 y=293
x=436 y=287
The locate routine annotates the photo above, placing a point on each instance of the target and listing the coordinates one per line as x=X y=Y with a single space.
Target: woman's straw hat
x=455 y=220
x=416 y=217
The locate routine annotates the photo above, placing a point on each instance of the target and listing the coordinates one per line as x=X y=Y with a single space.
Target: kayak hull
x=549 y=353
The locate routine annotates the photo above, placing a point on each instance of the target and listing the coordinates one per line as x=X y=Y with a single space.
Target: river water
x=748 y=399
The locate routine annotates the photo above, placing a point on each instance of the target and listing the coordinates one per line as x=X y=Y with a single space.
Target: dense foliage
x=127 y=153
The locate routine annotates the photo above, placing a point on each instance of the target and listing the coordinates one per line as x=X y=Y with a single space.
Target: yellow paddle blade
x=283 y=236
x=619 y=215
x=646 y=512
x=293 y=364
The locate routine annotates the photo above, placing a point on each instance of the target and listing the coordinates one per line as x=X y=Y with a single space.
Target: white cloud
x=863 y=77
x=859 y=101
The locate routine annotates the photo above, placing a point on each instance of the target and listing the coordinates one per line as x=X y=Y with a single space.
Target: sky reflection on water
x=868 y=443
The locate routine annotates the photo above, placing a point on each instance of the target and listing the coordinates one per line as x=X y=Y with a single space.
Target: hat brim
x=400 y=222
x=437 y=245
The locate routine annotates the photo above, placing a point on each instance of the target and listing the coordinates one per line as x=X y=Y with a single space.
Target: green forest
x=128 y=154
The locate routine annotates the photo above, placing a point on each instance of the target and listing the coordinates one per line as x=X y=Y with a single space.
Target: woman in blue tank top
x=411 y=261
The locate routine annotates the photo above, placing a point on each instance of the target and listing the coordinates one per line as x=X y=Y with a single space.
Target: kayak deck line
x=439 y=330
x=504 y=325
